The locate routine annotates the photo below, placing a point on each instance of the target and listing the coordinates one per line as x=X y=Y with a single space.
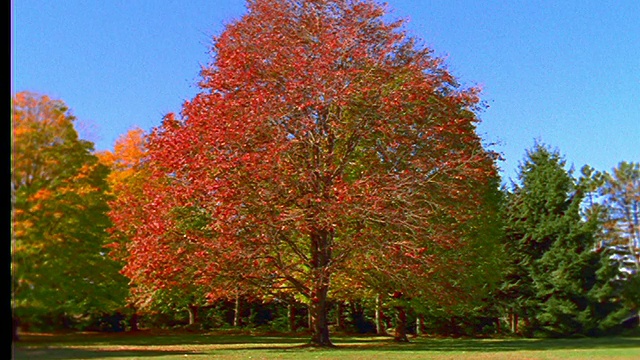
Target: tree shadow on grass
x=143 y=338
x=62 y=347
x=450 y=345
x=68 y=353
x=498 y=345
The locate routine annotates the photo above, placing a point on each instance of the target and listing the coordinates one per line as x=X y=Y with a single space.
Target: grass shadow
x=71 y=354
x=150 y=344
x=497 y=345
x=446 y=345
x=143 y=338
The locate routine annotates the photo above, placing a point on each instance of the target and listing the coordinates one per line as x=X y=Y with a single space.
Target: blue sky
x=565 y=73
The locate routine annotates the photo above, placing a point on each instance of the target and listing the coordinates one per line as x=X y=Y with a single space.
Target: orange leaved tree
x=59 y=265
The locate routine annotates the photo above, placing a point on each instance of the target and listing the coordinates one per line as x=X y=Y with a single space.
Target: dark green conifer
x=556 y=284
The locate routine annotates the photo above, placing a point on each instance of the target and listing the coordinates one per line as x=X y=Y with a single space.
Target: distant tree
x=126 y=161
x=59 y=216
x=605 y=310
x=621 y=228
x=322 y=134
x=126 y=179
x=621 y=191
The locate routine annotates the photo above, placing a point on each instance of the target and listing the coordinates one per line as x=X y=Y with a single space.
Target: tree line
x=327 y=176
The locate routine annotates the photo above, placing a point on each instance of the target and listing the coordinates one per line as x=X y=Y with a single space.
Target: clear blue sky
x=564 y=72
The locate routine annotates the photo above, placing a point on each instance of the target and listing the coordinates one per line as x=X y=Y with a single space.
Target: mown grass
x=161 y=346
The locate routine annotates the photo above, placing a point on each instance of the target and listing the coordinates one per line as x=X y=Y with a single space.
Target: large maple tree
x=323 y=137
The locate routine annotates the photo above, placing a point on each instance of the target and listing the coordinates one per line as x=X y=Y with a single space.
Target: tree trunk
x=291 y=313
x=401 y=325
x=133 y=319
x=526 y=329
x=236 y=311
x=15 y=325
x=65 y=321
x=319 y=319
x=320 y=261
x=193 y=314
x=380 y=325
x=514 y=323
x=419 y=322
x=340 y=316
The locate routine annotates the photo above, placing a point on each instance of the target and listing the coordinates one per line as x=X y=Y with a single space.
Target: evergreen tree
x=535 y=222
x=557 y=283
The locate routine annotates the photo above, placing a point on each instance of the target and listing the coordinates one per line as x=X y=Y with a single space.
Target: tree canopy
x=59 y=215
x=323 y=136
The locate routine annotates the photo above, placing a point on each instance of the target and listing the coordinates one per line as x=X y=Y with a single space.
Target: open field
x=161 y=346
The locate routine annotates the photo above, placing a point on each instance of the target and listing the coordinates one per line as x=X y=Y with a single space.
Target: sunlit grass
x=146 y=345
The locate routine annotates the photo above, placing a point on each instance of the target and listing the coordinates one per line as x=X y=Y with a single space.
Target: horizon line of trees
x=568 y=252
x=329 y=169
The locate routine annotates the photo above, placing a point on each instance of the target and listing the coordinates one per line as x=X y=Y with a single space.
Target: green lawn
x=160 y=346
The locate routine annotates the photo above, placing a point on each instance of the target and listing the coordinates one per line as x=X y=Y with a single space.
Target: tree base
x=316 y=344
x=401 y=339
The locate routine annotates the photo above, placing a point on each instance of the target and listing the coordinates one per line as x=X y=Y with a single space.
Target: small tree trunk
x=236 y=311
x=65 y=321
x=193 y=314
x=419 y=322
x=133 y=320
x=525 y=329
x=133 y=317
x=514 y=323
x=380 y=326
x=401 y=325
x=15 y=325
x=291 y=314
x=340 y=316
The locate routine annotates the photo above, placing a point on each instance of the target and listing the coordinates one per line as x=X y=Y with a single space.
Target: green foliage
x=59 y=221
x=555 y=282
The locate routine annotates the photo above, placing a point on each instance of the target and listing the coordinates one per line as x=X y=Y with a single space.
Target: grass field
x=161 y=346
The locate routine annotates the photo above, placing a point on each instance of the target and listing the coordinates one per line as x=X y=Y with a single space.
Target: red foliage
x=322 y=135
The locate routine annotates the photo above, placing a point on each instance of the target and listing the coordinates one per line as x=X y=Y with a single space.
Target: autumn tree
x=621 y=226
x=621 y=191
x=323 y=136
x=126 y=178
x=175 y=283
x=59 y=216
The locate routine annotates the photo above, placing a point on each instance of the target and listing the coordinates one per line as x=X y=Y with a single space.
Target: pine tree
x=534 y=223
x=557 y=283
